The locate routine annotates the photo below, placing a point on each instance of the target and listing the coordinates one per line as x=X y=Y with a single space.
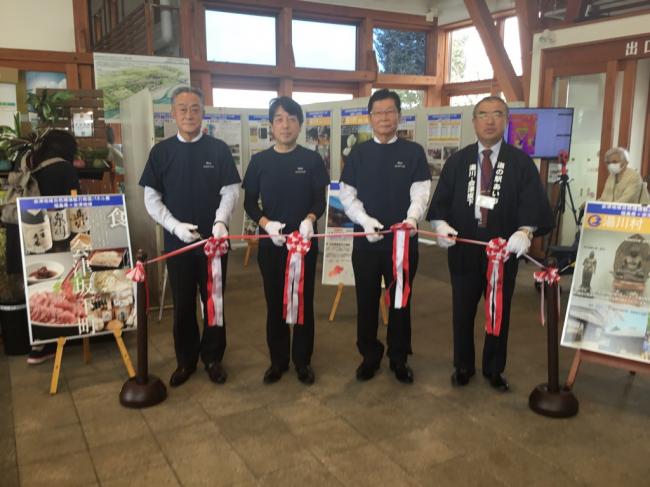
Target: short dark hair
x=384 y=94
x=290 y=106
x=188 y=89
x=490 y=98
x=56 y=143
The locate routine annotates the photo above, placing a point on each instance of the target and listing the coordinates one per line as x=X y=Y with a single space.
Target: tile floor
x=336 y=432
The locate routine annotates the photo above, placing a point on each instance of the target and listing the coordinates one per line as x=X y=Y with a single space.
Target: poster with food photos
x=76 y=253
x=318 y=134
x=609 y=305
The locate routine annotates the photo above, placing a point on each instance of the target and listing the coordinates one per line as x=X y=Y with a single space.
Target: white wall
x=46 y=25
x=598 y=31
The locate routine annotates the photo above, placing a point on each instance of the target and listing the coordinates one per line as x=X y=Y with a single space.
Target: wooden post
x=86 y=347
x=337 y=300
x=124 y=353
x=383 y=308
x=54 y=383
x=250 y=246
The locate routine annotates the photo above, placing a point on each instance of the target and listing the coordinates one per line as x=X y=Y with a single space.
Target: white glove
x=518 y=243
x=413 y=223
x=186 y=232
x=219 y=230
x=307 y=228
x=274 y=228
x=372 y=225
x=444 y=228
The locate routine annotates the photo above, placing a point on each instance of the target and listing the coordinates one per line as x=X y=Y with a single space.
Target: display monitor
x=540 y=132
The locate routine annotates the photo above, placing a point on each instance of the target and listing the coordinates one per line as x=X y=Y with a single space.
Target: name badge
x=485 y=201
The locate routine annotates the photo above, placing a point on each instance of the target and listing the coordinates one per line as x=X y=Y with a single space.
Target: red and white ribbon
x=214 y=249
x=401 y=236
x=293 y=309
x=497 y=257
x=550 y=276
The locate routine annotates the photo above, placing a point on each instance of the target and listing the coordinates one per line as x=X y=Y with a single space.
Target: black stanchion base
x=562 y=404
x=143 y=395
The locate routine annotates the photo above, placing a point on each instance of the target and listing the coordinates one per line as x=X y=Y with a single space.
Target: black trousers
x=272 y=261
x=467 y=289
x=187 y=272
x=369 y=267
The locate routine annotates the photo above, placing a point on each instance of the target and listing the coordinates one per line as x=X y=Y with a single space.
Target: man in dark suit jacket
x=486 y=190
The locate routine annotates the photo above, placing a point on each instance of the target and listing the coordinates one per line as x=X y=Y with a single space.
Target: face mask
x=614 y=168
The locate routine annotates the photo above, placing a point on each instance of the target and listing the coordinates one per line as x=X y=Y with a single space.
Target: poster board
x=318 y=133
x=355 y=129
x=76 y=252
x=337 y=252
x=443 y=139
x=609 y=305
x=122 y=75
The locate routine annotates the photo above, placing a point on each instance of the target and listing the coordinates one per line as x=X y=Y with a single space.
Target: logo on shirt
x=208 y=165
x=400 y=165
x=300 y=170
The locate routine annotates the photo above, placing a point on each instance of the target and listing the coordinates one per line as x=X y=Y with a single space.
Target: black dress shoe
x=306 y=375
x=180 y=375
x=216 y=372
x=497 y=381
x=274 y=374
x=461 y=377
x=403 y=372
x=366 y=371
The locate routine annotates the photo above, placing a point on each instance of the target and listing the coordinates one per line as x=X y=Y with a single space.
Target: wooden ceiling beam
x=496 y=51
x=528 y=24
x=574 y=10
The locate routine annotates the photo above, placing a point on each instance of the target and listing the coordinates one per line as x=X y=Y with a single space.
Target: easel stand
x=548 y=399
x=143 y=390
x=620 y=363
x=250 y=246
x=60 y=343
x=337 y=300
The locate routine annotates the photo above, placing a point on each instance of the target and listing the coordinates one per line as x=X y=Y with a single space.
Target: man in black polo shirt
x=385 y=181
x=191 y=186
x=291 y=182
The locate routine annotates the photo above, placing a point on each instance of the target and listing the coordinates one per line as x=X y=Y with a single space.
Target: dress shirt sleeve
x=157 y=209
x=352 y=206
x=229 y=196
x=419 y=192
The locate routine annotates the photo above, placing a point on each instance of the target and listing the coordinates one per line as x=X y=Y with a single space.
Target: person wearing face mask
x=191 y=186
x=623 y=184
x=486 y=190
x=290 y=181
x=385 y=181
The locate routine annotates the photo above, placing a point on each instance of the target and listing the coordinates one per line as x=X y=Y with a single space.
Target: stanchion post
x=143 y=390
x=548 y=399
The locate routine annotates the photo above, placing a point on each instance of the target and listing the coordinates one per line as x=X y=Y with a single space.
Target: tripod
x=560 y=205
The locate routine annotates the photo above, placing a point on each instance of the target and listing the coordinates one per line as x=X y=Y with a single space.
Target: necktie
x=486 y=179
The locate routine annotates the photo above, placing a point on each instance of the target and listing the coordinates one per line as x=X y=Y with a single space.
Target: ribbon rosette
x=214 y=249
x=550 y=276
x=137 y=274
x=401 y=235
x=294 y=279
x=497 y=257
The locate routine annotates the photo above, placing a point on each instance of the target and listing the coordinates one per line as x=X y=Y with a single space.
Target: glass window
x=305 y=97
x=399 y=52
x=323 y=45
x=468 y=60
x=465 y=100
x=409 y=98
x=512 y=43
x=240 y=38
x=232 y=98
